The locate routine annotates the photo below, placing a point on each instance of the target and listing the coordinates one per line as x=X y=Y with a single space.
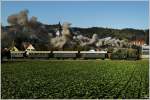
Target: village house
x=28 y=46
x=138 y=42
x=14 y=49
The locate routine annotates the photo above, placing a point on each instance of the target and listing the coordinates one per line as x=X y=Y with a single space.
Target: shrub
x=120 y=53
x=132 y=53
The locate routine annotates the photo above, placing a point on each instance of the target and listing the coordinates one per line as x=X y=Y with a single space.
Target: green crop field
x=75 y=79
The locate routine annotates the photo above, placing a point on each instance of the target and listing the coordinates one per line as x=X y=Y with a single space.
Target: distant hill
x=127 y=33
x=108 y=32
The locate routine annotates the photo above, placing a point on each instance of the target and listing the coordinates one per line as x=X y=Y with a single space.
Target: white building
x=30 y=48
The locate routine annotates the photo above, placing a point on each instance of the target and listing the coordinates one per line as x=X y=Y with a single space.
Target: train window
x=146 y=48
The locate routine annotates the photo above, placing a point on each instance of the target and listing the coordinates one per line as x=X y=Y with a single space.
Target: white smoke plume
x=59 y=41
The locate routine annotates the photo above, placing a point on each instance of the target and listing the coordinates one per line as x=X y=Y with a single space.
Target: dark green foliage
x=147 y=36
x=132 y=53
x=75 y=79
x=126 y=53
x=121 y=53
x=110 y=49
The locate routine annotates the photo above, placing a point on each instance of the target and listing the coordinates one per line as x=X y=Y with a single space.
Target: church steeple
x=59 y=28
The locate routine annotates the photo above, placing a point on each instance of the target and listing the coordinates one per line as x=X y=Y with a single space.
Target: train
x=58 y=54
x=68 y=54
